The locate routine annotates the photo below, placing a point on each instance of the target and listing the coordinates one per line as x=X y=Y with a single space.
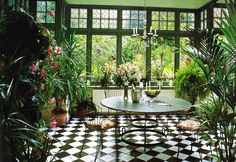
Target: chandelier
x=148 y=32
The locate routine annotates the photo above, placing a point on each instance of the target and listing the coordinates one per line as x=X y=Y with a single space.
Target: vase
x=126 y=92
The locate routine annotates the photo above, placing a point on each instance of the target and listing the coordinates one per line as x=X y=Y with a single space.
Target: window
x=162 y=58
x=133 y=19
x=218 y=16
x=134 y=51
x=45 y=12
x=105 y=18
x=103 y=50
x=187 y=20
x=163 y=20
x=203 y=19
x=78 y=18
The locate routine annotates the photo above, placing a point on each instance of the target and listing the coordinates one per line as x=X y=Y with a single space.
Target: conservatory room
x=117 y=80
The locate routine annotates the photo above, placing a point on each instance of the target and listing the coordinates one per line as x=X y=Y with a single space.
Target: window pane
x=217 y=12
x=142 y=14
x=126 y=24
x=51 y=5
x=96 y=23
x=113 y=14
x=104 y=14
x=74 y=13
x=183 y=26
x=74 y=23
x=171 y=16
x=155 y=15
x=126 y=14
x=134 y=14
x=41 y=16
x=50 y=19
x=104 y=24
x=96 y=13
x=133 y=50
x=134 y=23
x=83 y=13
x=171 y=25
x=162 y=58
x=103 y=50
x=82 y=23
x=41 y=6
x=113 y=24
x=163 y=15
x=155 y=24
x=183 y=16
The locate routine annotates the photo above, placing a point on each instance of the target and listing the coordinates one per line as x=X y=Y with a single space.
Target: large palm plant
x=217 y=59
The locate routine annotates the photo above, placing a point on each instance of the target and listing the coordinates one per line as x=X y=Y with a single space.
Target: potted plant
x=84 y=101
x=190 y=83
x=216 y=58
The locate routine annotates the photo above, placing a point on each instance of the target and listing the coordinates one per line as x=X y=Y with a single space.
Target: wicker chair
x=93 y=122
x=190 y=125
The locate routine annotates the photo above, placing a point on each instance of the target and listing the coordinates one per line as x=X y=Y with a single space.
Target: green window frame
x=187 y=20
x=133 y=19
x=78 y=17
x=104 y=18
x=163 y=20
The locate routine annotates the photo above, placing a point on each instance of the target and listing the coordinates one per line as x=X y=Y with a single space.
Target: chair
x=111 y=93
x=94 y=122
x=189 y=125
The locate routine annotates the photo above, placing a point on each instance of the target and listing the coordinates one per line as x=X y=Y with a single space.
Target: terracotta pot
x=61 y=119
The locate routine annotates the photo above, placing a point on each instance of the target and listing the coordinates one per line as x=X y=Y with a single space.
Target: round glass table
x=160 y=105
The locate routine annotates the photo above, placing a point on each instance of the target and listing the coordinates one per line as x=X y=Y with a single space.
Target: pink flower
x=51 y=13
x=50 y=50
x=57 y=50
x=54 y=65
x=52 y=100
x=53 y=123
x=34 y=67
x=43 y=73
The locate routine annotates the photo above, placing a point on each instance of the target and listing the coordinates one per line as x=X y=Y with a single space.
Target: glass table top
x=160 y=104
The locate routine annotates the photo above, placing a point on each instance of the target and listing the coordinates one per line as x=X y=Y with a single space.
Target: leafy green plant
x=22 y=42
x=84 y=100
x=190 y=83
x=217 y=59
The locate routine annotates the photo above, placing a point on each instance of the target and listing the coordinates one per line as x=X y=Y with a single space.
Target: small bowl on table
x=151 y=94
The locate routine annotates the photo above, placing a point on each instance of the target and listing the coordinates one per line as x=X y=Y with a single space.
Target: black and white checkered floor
x=69 y=140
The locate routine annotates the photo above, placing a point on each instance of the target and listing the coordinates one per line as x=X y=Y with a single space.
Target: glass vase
x=126 y=92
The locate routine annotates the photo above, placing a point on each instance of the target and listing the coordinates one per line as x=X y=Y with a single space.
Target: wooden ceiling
x=190 y=4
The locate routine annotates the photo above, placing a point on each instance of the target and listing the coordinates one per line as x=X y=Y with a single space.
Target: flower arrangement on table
x=127 y=74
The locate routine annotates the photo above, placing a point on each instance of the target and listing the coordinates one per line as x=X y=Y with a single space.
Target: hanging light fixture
x=147 y=34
